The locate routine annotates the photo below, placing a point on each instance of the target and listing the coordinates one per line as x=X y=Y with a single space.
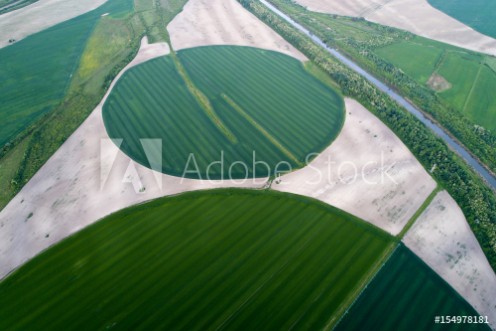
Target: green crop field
x=416 y=60
x=405 y=295
x=478 y=14
x=471 y=76
x=463 y=72
x=37 y=70
x=224 y=259
x=481 y=106
x=224 y=102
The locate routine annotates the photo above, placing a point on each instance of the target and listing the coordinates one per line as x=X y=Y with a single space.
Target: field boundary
x=419 y=212
x=353 y=296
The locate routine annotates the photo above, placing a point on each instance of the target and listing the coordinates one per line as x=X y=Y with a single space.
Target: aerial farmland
x=247 y=165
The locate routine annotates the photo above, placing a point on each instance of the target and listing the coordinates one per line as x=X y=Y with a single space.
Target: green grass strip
x=419 y=212
x=202 y=99
x=267 y=135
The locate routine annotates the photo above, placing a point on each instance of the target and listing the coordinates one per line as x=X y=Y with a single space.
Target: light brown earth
x=443 y=239
x=438 y=83
x=389 y=186
x=416 y=16
x=68 y=193
x=224 y=22
x=41 y=15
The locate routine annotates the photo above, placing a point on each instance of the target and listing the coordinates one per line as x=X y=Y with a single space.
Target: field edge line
x=416 y=215
x=354 y=295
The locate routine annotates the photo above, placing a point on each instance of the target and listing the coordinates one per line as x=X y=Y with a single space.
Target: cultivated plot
x=253 y=112
x=225 y=259
x=407 y=295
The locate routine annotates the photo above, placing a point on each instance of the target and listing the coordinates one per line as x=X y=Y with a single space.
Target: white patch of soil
x=443 y=239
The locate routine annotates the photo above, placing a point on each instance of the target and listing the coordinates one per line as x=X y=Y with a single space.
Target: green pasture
x=224 y=103
x=407 y=295
x=218 y=260
x=478 y=14
x=416 y=60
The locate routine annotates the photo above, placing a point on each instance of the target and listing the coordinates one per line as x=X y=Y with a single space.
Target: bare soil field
x=224 y=22
x=367 y=171
x=443 y=239
x=85 y=180
x=41 y=15
x=416 y=16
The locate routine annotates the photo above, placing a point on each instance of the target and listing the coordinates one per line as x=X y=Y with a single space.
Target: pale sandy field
x=41 y=15
x=224 y=22
x=416 y=16
x=443 y=239
x=367 y=171
x=70 y=191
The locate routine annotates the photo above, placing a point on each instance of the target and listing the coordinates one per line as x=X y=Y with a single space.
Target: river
x=459 y=149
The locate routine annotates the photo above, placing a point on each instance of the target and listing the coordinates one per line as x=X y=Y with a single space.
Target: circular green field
x=225 y=259
x=223 y=112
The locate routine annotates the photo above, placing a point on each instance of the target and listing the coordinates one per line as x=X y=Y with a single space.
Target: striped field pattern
x=407 y=295
x=218 y=260
x=282 y=102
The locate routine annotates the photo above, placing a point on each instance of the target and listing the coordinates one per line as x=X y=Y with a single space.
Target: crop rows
x=406 y=293
x=224 y=259
x=153 y=101
x=478 y=14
